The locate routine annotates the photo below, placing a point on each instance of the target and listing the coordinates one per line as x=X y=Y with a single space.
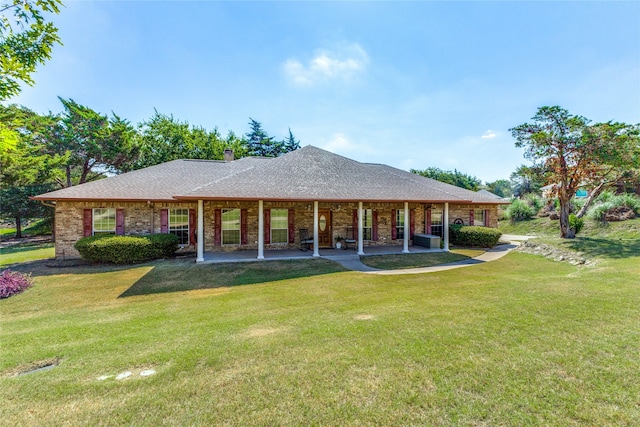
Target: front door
x=324 y=229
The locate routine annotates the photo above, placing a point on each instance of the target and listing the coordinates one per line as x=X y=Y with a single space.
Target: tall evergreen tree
x=259 y=143
x=290 y=143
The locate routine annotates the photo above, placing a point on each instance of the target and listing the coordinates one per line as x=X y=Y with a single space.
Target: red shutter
x=164 y=220
x=471 y=220
x=427 y=227
x=267 y=226
x=120 y=222
x=412 y=223
x=354 y=224
x=192 y=227
x=394 y=230
x=486 y=218
x=244 y=239
x=374 y=225
x=217 y=226
x=292 y=224
x=87 y=222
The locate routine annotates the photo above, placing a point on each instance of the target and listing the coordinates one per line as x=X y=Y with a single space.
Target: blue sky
x=409 y=84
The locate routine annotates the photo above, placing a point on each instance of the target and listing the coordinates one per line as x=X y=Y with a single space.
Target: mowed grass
x=20 y=254
x=403 y=261
x=519 y=341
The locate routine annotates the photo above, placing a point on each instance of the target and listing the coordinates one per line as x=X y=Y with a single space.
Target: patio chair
x=306 y=242
x=351 y=238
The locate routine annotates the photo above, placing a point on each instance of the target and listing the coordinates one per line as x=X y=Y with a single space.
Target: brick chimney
x=228 y=155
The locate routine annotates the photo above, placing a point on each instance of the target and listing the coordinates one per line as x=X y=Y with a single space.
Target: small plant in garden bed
x=12 y=283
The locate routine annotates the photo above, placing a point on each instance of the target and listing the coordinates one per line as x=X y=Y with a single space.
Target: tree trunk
x=594 y=195
x=18 y=227
x=565 y=209
x=68 y=176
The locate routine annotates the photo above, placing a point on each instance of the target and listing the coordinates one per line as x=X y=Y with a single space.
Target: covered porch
x=317 y=242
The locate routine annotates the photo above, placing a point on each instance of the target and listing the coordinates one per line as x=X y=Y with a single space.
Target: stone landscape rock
x=557 y=254
x=621 y=213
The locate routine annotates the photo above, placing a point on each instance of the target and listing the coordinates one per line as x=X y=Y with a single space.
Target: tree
x=26 y=40
x=24 y=170
x=16 y=204
x=94 y=144
x=500 y=187
x=163 y=138
x=261 y=144
x=290 y=143
x=454 y=177
x=527 y=179
x=572 y=152
x=617 y=150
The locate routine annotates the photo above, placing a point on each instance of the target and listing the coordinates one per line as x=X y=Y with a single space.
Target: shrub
x=167 y=244
x=599 y=211
x=535 y=202
x=627 y=200
x=464 y=235
x=126 y=249
x=519 y=210
x=575 y=223
x=605 y=196
x=12 y=282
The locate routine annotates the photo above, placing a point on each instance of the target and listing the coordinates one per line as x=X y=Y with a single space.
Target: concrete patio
x=287 y=254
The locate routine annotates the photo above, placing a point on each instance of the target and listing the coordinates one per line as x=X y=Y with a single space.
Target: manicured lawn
x=519 y=341
x=20 y=254
x=402 y=261
x=36 y=228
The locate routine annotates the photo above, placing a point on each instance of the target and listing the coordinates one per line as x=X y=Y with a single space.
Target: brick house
x=267 y=204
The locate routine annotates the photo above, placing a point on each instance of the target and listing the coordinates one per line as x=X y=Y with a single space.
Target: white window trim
x=239 y=229
x=93 y=221
x=364 y=224
x=188 y=228
x=399 y=227
x=286 y=228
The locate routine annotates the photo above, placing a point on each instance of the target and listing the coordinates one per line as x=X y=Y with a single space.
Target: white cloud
x=489 y=134
x=341 y=63
x=339 y=144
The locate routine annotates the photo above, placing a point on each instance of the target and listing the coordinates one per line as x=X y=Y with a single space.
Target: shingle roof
x=308 y=173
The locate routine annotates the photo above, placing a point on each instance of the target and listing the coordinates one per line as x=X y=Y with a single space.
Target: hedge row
x=465 y=235
x=127 y=249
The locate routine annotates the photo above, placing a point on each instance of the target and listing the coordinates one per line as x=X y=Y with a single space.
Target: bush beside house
x=474 y=236
x=126 y=249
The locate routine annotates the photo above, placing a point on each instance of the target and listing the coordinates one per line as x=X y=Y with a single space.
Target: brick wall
x=144 y=218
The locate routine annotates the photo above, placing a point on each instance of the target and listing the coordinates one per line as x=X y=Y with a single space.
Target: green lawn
x=402 y=261
x=519 y=341
x=21 y=254
x=36 y=228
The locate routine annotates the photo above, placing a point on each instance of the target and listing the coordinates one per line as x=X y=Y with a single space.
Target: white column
x=315 y=229
x=260 y=229
x=445 y=225
x=200 y=244
x=407 y=229
x=360 y=230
